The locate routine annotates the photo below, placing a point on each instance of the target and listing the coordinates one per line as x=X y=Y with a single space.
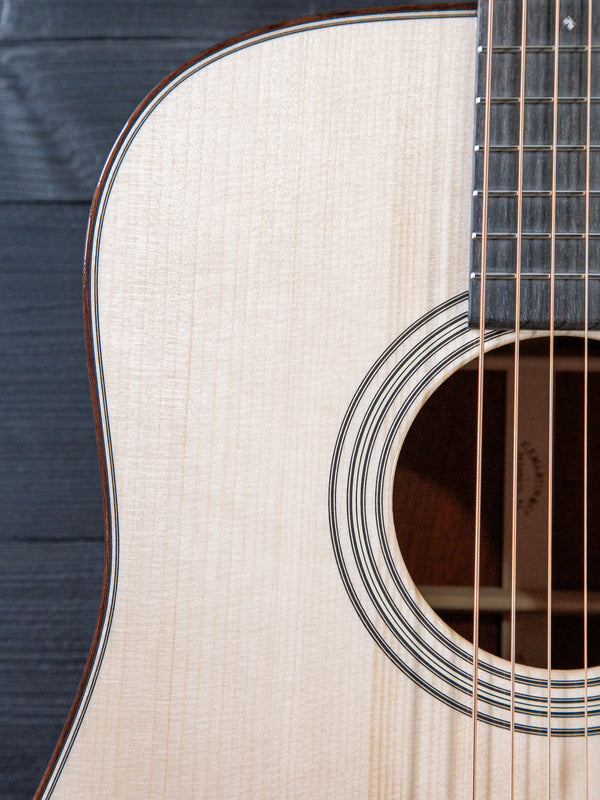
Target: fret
x=541 y=193
x=537 y=193
x=536 y=235
x=530 y=276
x=540 y=24
x=539 y=73
x=539 y=48
x=536 y=213
x=535 y=147
x=535 y=297
x=537 y=171
x=535 y=254
x=528 y=100
x=504 y=124
x=534 y=204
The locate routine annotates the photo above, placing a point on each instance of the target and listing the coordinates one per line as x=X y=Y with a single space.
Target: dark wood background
x=71 y=72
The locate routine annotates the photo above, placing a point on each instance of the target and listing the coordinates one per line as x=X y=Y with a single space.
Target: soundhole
x=434 y=501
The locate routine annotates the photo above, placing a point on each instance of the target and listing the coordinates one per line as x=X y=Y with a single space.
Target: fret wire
x=540 y=48
x=542 y=148
x=540 y=193
x=499 y=100
x=531 y=276
x=535 y=235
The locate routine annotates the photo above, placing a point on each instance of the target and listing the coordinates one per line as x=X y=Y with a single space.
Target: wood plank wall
x=71 y=72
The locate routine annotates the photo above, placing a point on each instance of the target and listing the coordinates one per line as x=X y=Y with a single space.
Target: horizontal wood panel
x=69 y=19
x=64 y=106
x=49 y=477
x=49 y=599
x=50 y=505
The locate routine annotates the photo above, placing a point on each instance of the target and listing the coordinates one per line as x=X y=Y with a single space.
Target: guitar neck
x=536 y=197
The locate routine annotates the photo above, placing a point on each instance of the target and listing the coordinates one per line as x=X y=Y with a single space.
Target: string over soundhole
x=436 y=537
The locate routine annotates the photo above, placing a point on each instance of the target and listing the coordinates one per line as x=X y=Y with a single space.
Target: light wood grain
x=276 y=218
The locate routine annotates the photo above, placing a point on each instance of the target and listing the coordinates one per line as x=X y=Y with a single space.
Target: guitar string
x=551 y=398
x=550 y=393
x=586 y=398
x=480 y=384
x=516 y=371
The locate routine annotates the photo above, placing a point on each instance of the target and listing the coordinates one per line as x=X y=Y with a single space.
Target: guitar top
x=276 y=281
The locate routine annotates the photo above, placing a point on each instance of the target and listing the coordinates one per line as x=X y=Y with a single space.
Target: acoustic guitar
x=322 y=259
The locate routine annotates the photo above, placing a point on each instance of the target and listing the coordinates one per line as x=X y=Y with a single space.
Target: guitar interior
x=434 y=493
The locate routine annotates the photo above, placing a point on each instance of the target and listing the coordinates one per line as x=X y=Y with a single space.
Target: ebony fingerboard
x=543 y=185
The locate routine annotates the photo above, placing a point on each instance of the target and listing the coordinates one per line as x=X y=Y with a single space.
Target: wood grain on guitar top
x=271 y=221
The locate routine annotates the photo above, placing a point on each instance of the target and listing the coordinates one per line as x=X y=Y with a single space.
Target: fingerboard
x=526 y=185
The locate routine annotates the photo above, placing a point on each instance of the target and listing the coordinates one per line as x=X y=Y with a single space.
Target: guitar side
x=274 y=216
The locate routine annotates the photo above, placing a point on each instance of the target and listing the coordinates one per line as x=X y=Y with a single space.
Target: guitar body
x=280 y=236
